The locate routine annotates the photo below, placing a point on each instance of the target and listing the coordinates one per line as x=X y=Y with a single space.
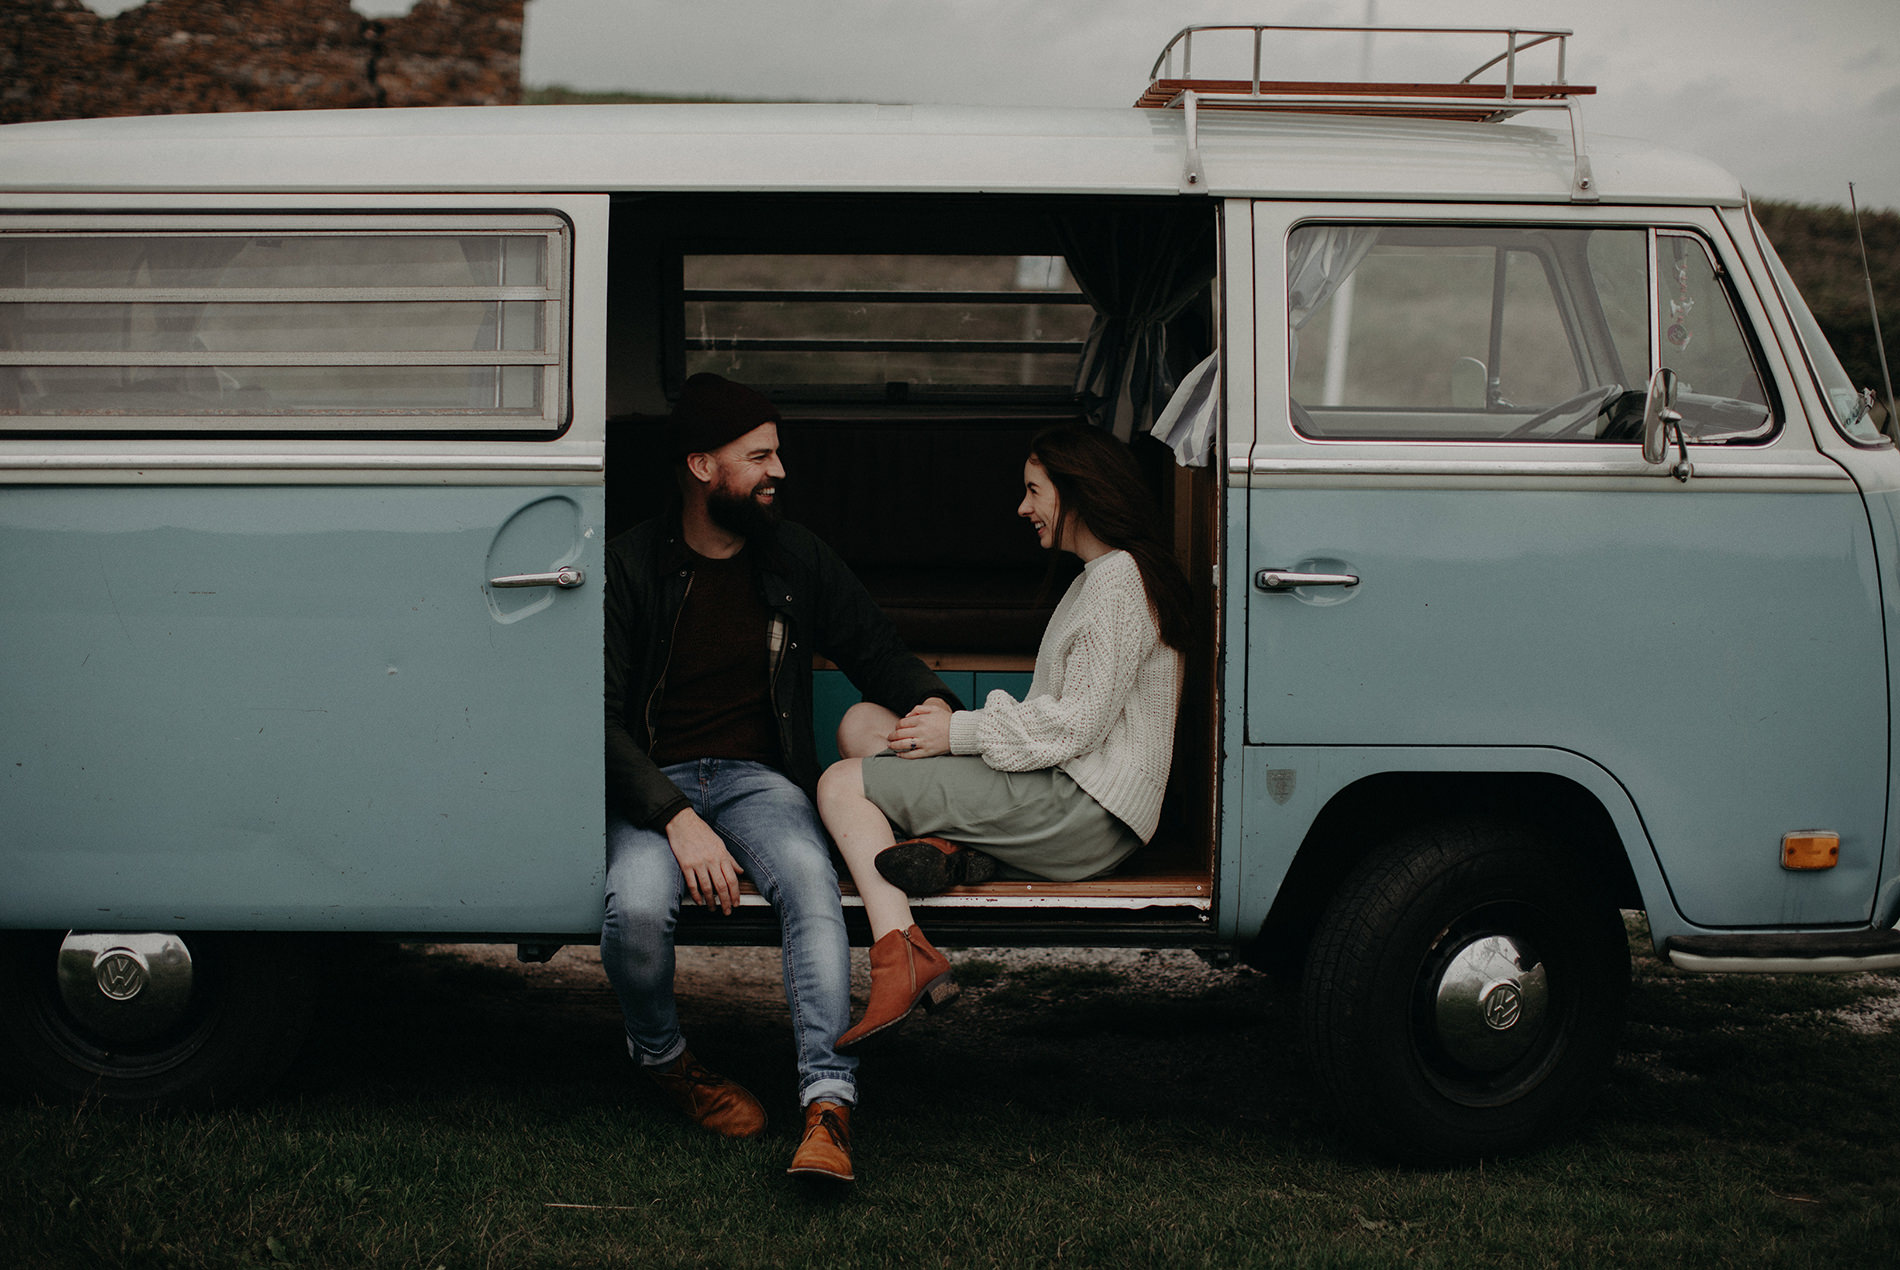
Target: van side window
x=822 y=327
x=1511 y=333
x=330 y=326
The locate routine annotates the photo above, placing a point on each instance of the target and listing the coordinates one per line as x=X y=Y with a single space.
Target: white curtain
x=1319 y=258
x=1188 y=425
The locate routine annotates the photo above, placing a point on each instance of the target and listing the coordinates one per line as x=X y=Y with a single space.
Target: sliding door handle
x=1274 y=581
x=567 y=576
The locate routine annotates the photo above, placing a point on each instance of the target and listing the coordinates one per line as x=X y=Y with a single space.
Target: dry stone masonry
x=60 y=60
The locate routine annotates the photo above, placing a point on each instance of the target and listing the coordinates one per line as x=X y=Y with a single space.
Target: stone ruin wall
x=60 y=60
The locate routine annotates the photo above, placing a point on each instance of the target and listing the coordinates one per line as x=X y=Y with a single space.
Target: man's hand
x=712 y=875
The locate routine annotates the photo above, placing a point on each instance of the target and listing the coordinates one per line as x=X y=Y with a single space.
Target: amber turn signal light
x=1810 y=849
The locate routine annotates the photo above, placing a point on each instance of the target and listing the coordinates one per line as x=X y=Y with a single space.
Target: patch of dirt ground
x=1070 y=1025
x=1107 y=1032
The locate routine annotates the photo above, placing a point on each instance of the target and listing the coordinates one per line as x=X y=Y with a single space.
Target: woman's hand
x=924 y=732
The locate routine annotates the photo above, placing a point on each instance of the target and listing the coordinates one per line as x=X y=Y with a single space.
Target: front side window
x=284 y=325
x=1511 y=333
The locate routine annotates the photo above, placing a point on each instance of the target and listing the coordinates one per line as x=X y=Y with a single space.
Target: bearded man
x=712 y=616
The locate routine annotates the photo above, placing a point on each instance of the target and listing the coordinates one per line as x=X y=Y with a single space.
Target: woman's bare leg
x=861 y=831
x=865 y=730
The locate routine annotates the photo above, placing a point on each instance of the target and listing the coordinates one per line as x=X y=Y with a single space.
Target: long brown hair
x=1097 y=480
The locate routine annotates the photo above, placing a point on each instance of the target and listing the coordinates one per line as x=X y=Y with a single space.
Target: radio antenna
x=1880 y=345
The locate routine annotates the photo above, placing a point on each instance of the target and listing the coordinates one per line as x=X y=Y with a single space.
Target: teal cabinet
x=832 y=694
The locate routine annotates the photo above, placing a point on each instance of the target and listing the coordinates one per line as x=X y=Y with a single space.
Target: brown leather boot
x=826 y=1148
x=931 y=866
x=905 y=972
x=709 y=1099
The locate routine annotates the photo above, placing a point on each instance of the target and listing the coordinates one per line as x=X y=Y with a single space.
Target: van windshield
x=1845 y=404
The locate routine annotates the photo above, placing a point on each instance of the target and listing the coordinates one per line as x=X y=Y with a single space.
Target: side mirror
x=1659 y=415
x=1875 y=409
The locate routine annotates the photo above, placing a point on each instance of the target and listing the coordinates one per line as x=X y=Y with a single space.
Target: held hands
x=924 y=732
x=712 y=875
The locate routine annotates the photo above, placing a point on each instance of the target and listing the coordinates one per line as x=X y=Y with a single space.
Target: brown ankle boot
x=826 y=1148
x=931 y=866
x=709 y=1099
x=905 y=972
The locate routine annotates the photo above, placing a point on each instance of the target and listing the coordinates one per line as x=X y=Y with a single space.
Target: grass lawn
x=1088 y=1112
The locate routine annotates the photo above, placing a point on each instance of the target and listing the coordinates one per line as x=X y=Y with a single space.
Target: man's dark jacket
x=818 y=606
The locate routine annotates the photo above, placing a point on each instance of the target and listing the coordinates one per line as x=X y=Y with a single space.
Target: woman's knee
x=840 y=783
x=864 y=729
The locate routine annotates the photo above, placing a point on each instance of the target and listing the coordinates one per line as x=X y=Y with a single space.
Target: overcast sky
x=1796 y=97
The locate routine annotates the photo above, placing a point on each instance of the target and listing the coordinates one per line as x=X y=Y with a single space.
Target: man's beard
x=742 y=514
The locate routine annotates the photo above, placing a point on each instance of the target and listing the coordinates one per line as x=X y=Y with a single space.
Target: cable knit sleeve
x=1085 y=673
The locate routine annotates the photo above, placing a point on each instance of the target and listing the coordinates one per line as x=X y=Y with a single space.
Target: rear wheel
x=151 y=1017
x=1464 y=993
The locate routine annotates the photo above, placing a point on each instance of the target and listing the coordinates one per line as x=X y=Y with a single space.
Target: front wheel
x=1464 y=993
x=151 y=1017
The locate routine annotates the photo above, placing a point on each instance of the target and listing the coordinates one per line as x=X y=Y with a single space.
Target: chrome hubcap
x=125 y=988
x=1490 y=1003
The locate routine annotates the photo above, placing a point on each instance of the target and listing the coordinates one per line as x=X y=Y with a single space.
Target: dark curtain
x=1139 y=267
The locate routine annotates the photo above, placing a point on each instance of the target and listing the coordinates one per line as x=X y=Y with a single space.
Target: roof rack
x=1464 y=100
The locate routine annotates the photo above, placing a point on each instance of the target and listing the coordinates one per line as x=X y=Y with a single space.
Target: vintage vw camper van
x=1542 y=552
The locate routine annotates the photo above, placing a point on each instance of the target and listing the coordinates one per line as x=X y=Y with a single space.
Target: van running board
x=1131 y=891
x=1783 y=953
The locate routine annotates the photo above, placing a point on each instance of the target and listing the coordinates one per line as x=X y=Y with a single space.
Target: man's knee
x=790 y=864
x=643 y=887
x=635 y=909
x=865 y=729
x=808 y=891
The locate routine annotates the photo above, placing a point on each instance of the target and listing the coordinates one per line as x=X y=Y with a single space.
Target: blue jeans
x=774 y=833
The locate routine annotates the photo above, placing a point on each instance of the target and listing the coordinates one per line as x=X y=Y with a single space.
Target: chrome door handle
x=567 y=575
x=1275 y=580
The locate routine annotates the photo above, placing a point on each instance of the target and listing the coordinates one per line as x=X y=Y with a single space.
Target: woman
x=1061 y=785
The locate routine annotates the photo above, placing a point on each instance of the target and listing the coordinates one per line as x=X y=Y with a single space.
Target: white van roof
x=921 y=149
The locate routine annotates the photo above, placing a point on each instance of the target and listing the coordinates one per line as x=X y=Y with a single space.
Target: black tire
x=1428 y=1078
x=246 y=1014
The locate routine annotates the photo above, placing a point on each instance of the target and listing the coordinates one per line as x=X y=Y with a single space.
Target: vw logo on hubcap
x=1503 y=1007
x=1489 y=1003
x=119 y=973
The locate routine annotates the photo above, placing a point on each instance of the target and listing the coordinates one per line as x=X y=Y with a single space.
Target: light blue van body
x=281 y=709
x=1631 y=642
x=260 y=676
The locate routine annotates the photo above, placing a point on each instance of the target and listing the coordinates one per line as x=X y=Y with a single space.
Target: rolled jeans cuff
x=672 y=1054
x=831 y=1089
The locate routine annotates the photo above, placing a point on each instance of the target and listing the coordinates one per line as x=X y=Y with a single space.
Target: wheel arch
x=1373 y=808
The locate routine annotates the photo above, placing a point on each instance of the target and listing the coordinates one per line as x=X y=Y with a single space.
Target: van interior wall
x=917 y=491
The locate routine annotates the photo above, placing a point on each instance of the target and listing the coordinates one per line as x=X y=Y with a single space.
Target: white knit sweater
x=1101 y=705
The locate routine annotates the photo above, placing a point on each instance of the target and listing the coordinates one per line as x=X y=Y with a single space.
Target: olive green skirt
x=1038 y=824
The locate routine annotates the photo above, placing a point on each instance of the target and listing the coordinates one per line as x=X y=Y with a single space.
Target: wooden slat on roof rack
x=1296 y=95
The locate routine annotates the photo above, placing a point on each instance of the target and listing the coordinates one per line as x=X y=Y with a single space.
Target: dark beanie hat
x=712 y=411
